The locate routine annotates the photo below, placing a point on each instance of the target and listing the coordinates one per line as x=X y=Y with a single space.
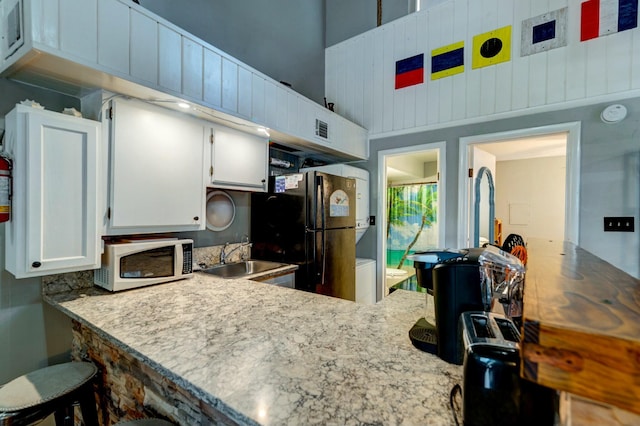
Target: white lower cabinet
x=239 y=160
x=156 y=177
x=285 y=280
x=54 y=225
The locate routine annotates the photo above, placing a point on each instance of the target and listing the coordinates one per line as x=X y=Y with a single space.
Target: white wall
x=282 y=38
x=345 y=19
x=32 y=334
x=360 y=72
x=567 y=84
x=609 y=175
x=535 y=186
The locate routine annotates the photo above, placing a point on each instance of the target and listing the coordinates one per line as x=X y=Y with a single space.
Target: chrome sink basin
x=242 y=269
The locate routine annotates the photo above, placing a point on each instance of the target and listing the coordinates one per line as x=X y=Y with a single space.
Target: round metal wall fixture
x=613 y=113
x=221 y=210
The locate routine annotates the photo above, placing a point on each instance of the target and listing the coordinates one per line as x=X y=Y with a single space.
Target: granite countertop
x=264 y=354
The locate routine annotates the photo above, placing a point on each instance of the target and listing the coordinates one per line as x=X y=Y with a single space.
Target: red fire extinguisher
x=5 y=188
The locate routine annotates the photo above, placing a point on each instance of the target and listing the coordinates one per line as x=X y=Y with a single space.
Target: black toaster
x=493 y=394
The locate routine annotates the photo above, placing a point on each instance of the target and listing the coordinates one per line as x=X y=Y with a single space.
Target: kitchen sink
x=242 y=269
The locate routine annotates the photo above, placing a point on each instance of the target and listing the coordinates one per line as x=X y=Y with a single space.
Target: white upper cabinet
x=212 y=78
x=144 y=60
x=114 y=49
x=238 y=160
x=192 y=66
x=169 y=59
x=79 y=29
x=156 y=174
x=54 y=226
x=229 y=85
x=73 y=46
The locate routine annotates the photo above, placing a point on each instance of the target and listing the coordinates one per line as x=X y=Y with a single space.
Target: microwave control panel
x=187 y=265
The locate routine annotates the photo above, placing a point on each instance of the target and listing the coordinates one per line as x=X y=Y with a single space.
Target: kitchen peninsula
x=207 y=350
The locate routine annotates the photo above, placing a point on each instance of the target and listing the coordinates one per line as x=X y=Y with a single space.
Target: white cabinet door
x=156 y=170
x=169 y=59
x=245 y=97
x=113 y=46
x=144 y=48
x=229 y=85
x=192 y=65
x=78 y=29
x=54 y=223
x=239 y=160
x=258 y=113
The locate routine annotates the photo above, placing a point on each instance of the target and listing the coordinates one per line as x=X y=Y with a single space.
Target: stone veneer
x=129 y=389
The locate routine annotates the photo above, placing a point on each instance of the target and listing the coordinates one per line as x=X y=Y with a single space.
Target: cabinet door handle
x=196 y=218
x=36 y=264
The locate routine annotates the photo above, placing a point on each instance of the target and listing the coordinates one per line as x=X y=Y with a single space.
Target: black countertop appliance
x=423 y=334
x=470 y=279
x=493 y=394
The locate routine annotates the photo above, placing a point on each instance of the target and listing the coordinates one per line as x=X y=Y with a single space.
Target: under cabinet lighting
x=183 y=105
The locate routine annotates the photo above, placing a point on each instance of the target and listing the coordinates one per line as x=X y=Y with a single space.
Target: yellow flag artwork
x=491 y=48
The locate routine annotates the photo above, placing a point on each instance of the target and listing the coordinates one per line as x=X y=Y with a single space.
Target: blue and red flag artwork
x=603 y=17
x=410 y=71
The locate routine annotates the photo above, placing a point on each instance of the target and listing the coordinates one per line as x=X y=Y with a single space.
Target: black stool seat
x=53 y=389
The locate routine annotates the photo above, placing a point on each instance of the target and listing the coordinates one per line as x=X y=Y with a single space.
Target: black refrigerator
x=308 y=219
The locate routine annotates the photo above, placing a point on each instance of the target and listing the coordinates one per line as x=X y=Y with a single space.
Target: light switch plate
x=619 y=224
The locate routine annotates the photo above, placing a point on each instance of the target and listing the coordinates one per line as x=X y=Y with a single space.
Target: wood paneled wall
x=360 y=72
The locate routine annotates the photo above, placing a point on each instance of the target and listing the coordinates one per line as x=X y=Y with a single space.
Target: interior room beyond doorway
x=534 y=171
x=412 y=194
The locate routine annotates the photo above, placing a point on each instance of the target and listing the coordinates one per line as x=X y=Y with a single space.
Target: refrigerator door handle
x=320 y=186
x=324 y=258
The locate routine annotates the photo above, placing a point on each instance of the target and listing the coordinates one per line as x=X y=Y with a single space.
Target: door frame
x=572 y=181
x=441 y=149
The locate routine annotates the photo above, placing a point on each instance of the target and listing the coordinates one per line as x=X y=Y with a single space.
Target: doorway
x=547 y=141
x=410 y=210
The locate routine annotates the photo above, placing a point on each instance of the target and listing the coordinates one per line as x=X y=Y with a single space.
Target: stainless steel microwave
x=129 y=264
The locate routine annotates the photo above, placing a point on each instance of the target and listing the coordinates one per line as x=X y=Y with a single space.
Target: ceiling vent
x=322 y=129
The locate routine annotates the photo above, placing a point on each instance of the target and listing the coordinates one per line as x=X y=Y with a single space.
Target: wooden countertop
x=581 y=325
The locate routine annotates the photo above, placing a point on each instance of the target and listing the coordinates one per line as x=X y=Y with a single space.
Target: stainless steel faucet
x=244 y=242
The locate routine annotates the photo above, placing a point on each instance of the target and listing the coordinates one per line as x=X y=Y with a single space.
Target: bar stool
x=145 y=422
x=54 y=389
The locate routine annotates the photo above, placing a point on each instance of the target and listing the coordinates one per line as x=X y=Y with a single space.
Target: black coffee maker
x=423 y=334
x=470 y=279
